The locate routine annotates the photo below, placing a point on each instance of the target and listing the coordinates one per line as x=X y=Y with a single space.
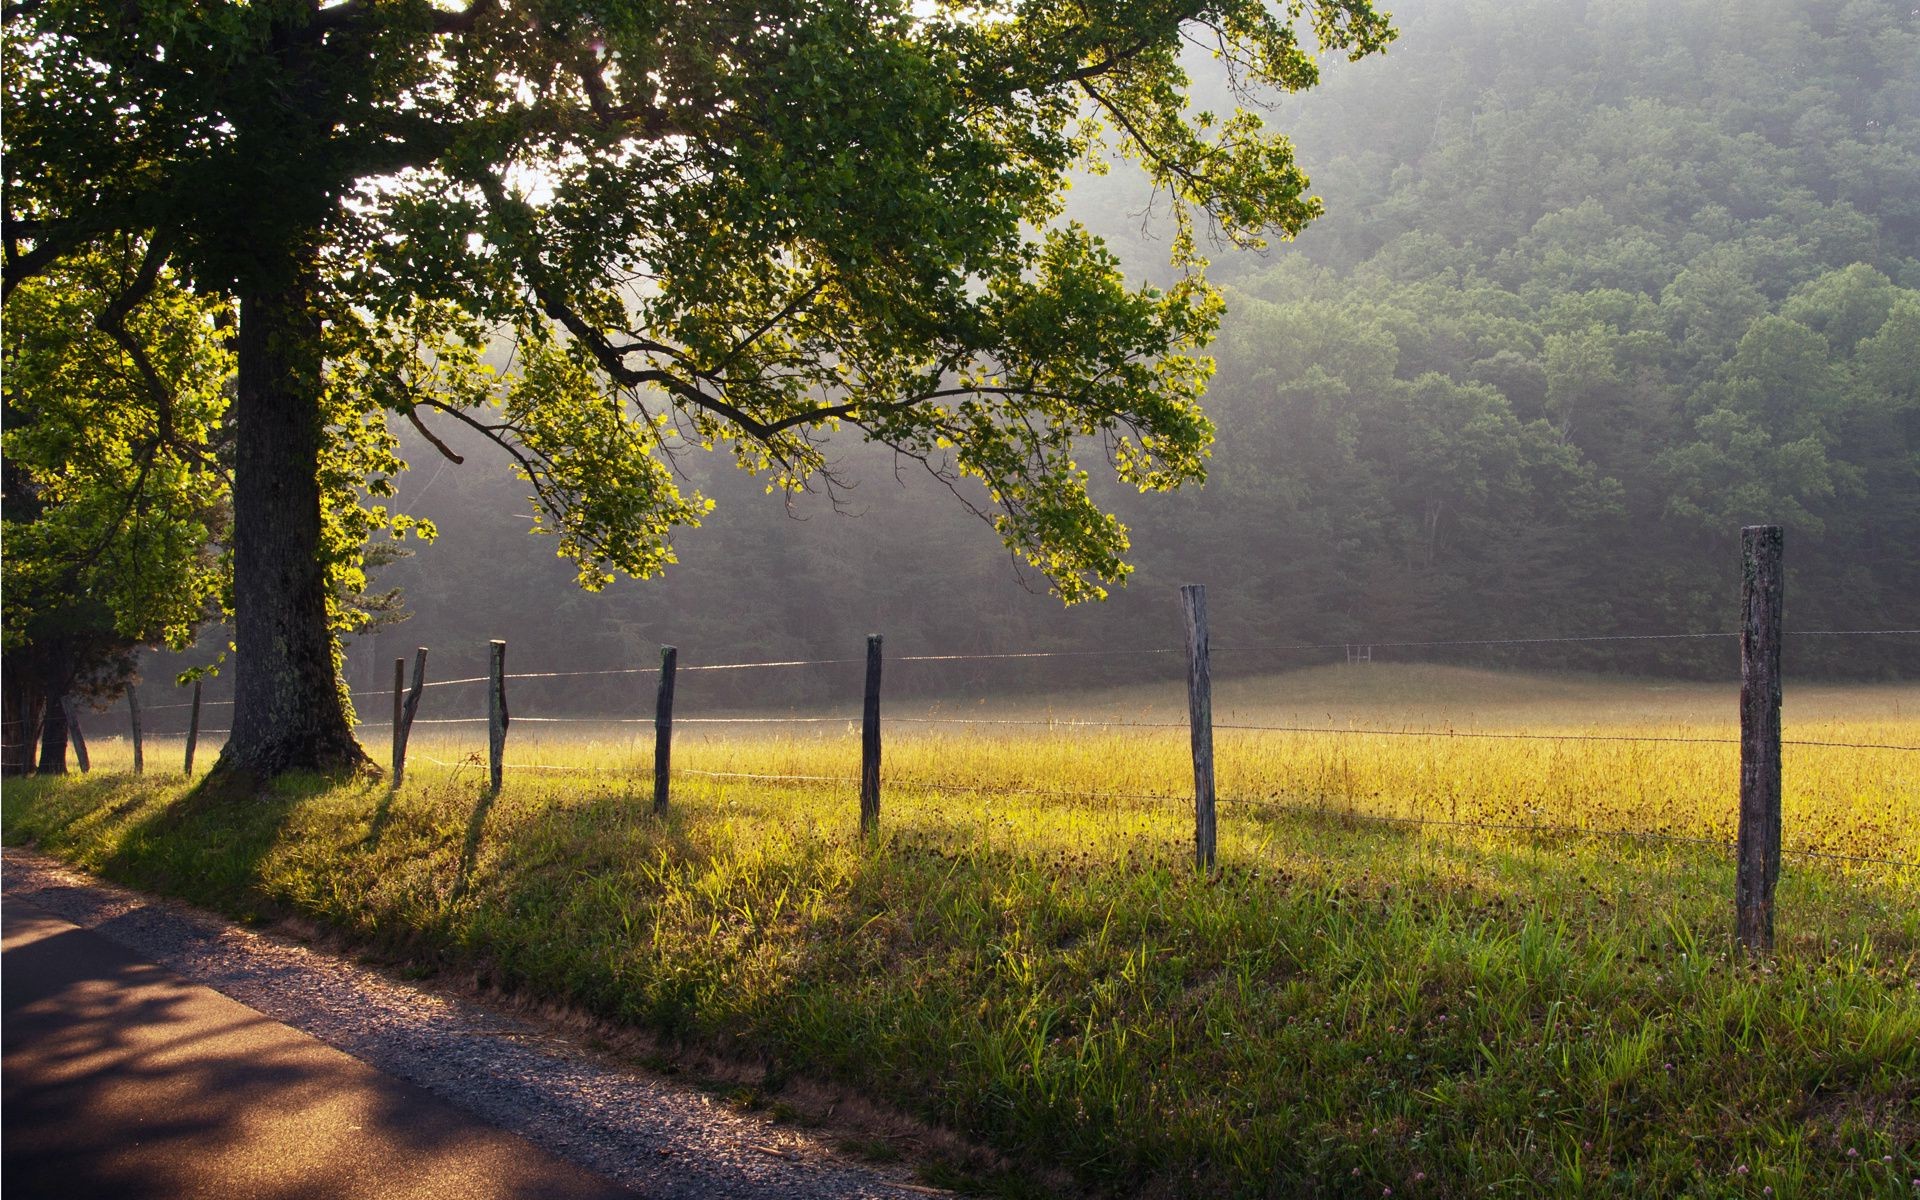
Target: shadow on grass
x=208 y=843
x=470 y=849
x=382 y=816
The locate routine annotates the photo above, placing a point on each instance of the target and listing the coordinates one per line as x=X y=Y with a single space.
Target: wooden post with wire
x=496 y=711
x=404 y=713
x=663 y=728
x=133 y=712
x=78 y=737
x=1193 y=603
x=399 y=704
x=193 y=728
x=870 y=743
x=1763 y=592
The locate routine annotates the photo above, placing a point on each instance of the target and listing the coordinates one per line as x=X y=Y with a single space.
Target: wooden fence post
x=1761 y=604
x=399 y=703
x=133 y=711
x=403 y=714
x=870 y=743
x=78 y=737
x=1193 y=603
x=663 y=728
x=193 y=728
x=496 y=710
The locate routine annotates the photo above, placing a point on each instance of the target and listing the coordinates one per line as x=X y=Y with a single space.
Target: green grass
x=1349 y=1005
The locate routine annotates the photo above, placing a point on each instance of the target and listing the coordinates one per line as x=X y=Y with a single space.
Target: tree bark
x=53 y=738
x=287 y=712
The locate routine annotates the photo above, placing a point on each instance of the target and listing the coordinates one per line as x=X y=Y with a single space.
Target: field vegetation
x=1428 y=966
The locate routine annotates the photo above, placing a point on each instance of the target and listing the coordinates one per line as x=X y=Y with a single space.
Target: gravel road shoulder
x=657 y=1136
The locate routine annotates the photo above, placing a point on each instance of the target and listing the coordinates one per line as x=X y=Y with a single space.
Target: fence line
x=1758 y=848
x=1274 y=647
x=1072 y=723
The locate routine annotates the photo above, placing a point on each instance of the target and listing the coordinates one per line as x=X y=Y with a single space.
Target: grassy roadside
x=1347 y=1009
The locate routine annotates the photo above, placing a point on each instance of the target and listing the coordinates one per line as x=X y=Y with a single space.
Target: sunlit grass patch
x=1426 y=963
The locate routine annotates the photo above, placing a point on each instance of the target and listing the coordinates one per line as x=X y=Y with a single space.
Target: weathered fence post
x=79 y=739
x=133 y=711
x=1193 y=603
x=1762 y=600
x=193 y=728
x=403 y=714
x=870 y=742
x=663 y=728
x=399 y=703
x=496 y=710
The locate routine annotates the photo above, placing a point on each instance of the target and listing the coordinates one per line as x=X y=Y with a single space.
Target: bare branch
x=420 y=426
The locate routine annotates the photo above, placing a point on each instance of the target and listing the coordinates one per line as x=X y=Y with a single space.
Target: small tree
x=114 y=493
x=703 y=223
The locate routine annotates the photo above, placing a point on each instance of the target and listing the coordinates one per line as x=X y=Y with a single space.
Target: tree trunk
x=21 y=706
x=53 y=739
x=287 y=713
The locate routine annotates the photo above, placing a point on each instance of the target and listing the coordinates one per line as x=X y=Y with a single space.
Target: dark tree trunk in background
x=287 y=714
x=21 y=706
x=53 y=739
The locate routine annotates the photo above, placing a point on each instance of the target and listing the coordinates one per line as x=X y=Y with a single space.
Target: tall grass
x=1503 y=999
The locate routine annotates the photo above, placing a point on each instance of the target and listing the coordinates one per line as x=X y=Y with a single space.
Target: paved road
x=123 y=1080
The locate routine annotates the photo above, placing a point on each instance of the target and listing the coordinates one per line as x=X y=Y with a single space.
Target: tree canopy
x=703 y=225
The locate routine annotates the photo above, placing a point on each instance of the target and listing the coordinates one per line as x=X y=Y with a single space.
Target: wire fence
x=494 y=759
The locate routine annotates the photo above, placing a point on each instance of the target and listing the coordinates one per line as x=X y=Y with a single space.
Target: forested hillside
x=1598 y=283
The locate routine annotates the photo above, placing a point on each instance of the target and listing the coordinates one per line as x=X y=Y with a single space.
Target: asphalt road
x=123 y=1080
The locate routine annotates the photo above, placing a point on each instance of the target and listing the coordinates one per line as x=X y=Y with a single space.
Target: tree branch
x=421 y=427
x=112 y=321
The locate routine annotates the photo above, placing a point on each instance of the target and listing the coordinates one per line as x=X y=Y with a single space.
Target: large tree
x=702 y=223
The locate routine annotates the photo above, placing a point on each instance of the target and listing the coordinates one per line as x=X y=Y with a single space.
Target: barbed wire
x=1509 y=641
x=147 y=708
x=1550 y=640
x=1229 y=648
x=751 y=666
x=1852 y=632
x=1049 y=722
x=1072 y=723
x=769 y=720
x=919 y=658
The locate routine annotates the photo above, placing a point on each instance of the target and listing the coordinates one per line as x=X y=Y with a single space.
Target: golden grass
x=1354 y=1002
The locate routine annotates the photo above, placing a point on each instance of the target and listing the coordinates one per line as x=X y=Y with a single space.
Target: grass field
x=1428 y=966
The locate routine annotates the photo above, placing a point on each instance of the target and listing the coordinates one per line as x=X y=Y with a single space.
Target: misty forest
x=1596 y=286
x=1456 y=353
